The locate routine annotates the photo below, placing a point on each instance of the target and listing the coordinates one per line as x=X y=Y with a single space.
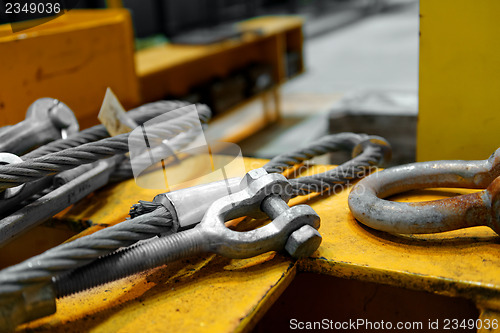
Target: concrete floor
x=378 y=52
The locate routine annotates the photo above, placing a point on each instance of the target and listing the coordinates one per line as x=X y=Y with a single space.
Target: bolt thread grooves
x=134 y=259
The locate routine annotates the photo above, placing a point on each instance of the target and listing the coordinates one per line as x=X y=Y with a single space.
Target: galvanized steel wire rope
x=173 y=125
x=32 y=169
x=375 y=152
x=168 y=110
x=43 y=268
x=98 y=132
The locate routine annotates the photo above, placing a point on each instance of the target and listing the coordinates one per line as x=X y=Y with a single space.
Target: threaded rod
x=135 y=259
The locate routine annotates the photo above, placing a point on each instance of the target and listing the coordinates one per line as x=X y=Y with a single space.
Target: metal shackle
x=292 y=228
x=47 y=119
x=61 y=116
x=481 y=208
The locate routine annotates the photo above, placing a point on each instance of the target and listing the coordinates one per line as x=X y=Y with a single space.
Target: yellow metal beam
x=459 y=110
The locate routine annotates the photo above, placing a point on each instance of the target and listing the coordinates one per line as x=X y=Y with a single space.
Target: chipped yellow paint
x=216 y=294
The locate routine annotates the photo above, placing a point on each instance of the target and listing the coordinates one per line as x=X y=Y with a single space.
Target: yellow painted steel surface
x=459 y=111
x=211 y=293
x=74 y=58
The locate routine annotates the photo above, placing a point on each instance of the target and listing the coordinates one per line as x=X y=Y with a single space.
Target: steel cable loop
x=372 y=155
x=69 y=256
x=16 y=174
x=327 y=144
x=139 y=115
x=356 y=168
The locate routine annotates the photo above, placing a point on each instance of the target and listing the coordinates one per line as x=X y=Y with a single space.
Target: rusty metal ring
x=481 y=208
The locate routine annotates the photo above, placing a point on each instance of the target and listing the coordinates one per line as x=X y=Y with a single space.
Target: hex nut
x=303 y=242
x=251 y=176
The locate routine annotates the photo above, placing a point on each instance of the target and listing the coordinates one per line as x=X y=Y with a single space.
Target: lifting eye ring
x=481 y=208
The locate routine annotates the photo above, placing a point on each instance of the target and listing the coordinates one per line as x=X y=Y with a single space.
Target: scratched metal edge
x=482 y=295
x=248 y=322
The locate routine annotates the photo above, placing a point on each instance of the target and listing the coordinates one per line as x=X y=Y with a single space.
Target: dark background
x=172 y=17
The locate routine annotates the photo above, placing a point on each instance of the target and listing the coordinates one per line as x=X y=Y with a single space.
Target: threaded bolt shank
x=135 y=259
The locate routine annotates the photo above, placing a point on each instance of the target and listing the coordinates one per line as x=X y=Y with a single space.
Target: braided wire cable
x=69 y=256
x=91 y=134
x=326 y=144
x=124 y=169
x=16 y=174
x=328 y=181
x=98 y=132
x=167 y=109
x=373 y=154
